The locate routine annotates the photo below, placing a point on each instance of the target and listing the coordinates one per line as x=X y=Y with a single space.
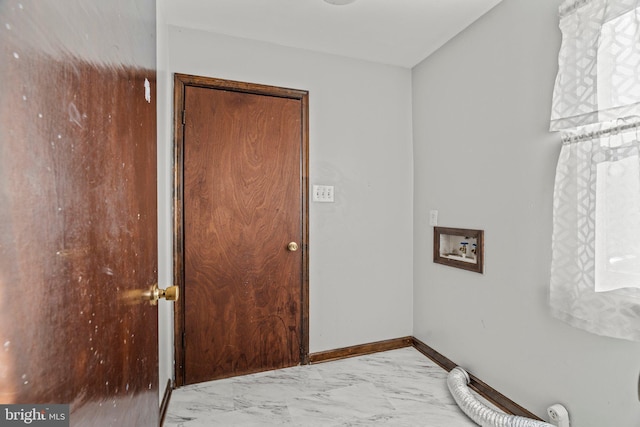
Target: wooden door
x=242 y=187
x=78 y=230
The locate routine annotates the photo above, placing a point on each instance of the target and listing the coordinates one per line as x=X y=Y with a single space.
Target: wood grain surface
x=78 y=230
x=242 y=206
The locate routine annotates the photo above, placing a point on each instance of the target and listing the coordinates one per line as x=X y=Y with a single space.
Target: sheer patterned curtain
x=595 y=273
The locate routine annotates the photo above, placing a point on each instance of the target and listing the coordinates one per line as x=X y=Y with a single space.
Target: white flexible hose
x=458 y=383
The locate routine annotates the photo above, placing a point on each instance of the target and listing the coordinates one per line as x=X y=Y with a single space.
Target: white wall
x=483 y=101
x=165 y=232
x=361 y=247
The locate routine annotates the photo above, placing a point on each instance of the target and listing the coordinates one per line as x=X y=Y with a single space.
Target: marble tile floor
x=394 y=388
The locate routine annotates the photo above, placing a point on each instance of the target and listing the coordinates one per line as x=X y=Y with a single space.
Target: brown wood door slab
x=78 y=229
x=243 y=203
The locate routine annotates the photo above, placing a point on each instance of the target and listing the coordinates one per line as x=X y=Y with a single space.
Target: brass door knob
x=293 y=246
x=172 y=293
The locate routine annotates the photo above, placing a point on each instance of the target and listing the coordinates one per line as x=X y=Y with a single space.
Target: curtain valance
x=599 y=63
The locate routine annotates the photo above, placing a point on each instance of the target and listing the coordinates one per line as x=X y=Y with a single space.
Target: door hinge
x=184 y=114
x=184 y=339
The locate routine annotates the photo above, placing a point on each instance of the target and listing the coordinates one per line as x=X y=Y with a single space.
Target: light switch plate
x=433 y=217
x=323 y=193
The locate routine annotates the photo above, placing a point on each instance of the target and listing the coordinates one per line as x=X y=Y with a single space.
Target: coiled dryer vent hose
x=458 y=383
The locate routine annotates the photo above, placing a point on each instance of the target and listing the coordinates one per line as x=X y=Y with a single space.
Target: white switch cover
x=323 y=193
x=433 y=217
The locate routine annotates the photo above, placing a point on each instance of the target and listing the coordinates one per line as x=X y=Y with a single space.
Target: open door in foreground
x=78 y=228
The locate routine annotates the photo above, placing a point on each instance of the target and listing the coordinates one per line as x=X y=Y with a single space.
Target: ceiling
x=396 y=32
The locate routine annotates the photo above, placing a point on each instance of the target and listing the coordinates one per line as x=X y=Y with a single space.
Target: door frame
x=180 y=83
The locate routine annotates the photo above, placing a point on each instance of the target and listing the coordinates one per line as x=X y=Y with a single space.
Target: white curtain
x=595 y=274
